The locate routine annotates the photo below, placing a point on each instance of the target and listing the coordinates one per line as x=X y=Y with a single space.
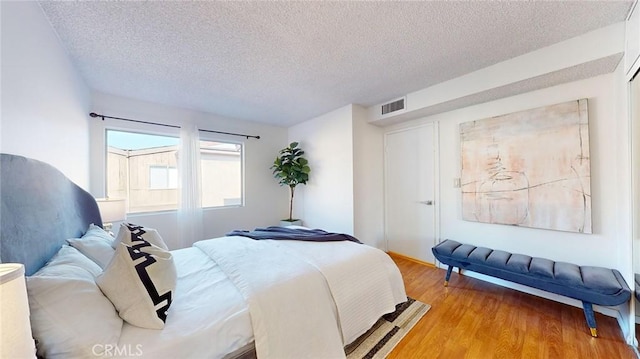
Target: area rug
x=387 y=332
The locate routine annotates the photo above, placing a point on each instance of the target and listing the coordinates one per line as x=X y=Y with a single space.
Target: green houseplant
x=291 y=169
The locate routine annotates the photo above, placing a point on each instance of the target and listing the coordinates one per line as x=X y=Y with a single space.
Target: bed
x=234 y=297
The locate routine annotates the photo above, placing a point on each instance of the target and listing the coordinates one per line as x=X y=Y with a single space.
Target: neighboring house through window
x=163 y=177
x=143 y=168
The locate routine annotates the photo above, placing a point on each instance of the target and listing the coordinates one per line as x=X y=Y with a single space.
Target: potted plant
x=291 y=169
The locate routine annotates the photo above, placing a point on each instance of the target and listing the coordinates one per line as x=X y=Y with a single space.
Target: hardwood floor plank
x=476 y=319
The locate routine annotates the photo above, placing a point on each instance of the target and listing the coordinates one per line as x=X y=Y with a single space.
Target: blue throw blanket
x=298 y=234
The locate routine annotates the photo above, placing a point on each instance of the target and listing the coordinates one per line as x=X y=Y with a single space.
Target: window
x=163 y=177
x=221 y=166
x=144 y=169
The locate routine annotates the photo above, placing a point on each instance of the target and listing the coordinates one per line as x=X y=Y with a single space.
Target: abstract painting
x=529 y=168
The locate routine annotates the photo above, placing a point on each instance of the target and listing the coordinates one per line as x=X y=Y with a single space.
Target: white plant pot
x=297 y=222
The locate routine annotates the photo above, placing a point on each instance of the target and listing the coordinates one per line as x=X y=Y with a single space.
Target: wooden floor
x=476 y=319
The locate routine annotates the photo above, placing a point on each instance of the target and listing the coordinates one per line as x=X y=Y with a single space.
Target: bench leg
x=591 y=318
x=446 y=278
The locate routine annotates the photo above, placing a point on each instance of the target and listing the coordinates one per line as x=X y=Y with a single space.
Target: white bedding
x=308 y=299
x=291 y=309
x=295 y=299
x=364 y=281
x=208 y=316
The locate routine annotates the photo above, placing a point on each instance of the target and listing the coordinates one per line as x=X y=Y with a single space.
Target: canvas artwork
x=529 y=168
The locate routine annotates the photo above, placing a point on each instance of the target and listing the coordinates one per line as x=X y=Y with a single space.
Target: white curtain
x=190 y=222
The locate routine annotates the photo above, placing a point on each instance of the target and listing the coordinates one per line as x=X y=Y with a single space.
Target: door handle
x=428 y=203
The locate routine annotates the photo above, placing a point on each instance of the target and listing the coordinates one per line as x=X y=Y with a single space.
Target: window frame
x=242 y=170
x=173 y=134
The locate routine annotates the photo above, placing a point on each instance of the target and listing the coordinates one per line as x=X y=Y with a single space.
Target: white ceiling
x=286 y=62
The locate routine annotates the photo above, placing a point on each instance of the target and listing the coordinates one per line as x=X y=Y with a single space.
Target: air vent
x=393 y=106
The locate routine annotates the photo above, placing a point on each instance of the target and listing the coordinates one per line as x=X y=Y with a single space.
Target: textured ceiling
x=286 y=62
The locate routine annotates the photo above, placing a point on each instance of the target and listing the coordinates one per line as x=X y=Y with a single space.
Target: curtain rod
x=93 y=114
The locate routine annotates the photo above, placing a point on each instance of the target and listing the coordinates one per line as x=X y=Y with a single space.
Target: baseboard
x=394 y=254
x=624 y=324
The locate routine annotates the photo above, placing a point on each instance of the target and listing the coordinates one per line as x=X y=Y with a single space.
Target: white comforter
x=307 y=300
x=294 y=299
x=364 y=282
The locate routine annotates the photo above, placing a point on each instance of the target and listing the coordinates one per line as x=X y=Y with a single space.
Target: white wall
x=368 y=180
x=609 y=245
x=600 y=248
x=327 y=200
x=345 y=190
x=265 y=201
x=44 y=100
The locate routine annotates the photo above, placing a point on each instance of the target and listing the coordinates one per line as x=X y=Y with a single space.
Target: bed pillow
x=129 y=232
x=70 y=317
x=59 y=265
x=96 y=244
x=140 y=281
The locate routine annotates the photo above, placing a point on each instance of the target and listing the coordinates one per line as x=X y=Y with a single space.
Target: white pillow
x=70 y=317
x=96 y=244
x=140 y=281
x=62 y=263
x=130 y=231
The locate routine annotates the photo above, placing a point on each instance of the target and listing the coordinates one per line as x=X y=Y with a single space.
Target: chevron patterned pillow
x=140 y=281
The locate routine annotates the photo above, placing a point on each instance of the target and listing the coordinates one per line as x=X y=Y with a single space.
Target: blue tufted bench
x=591 y=285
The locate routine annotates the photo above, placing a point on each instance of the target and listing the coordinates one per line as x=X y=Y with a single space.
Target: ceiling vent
x=394 y=106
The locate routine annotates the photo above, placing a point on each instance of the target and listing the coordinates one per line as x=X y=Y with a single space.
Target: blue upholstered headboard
x=40 y=209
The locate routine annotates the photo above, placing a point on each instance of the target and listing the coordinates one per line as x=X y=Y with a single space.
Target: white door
x=410 y=181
